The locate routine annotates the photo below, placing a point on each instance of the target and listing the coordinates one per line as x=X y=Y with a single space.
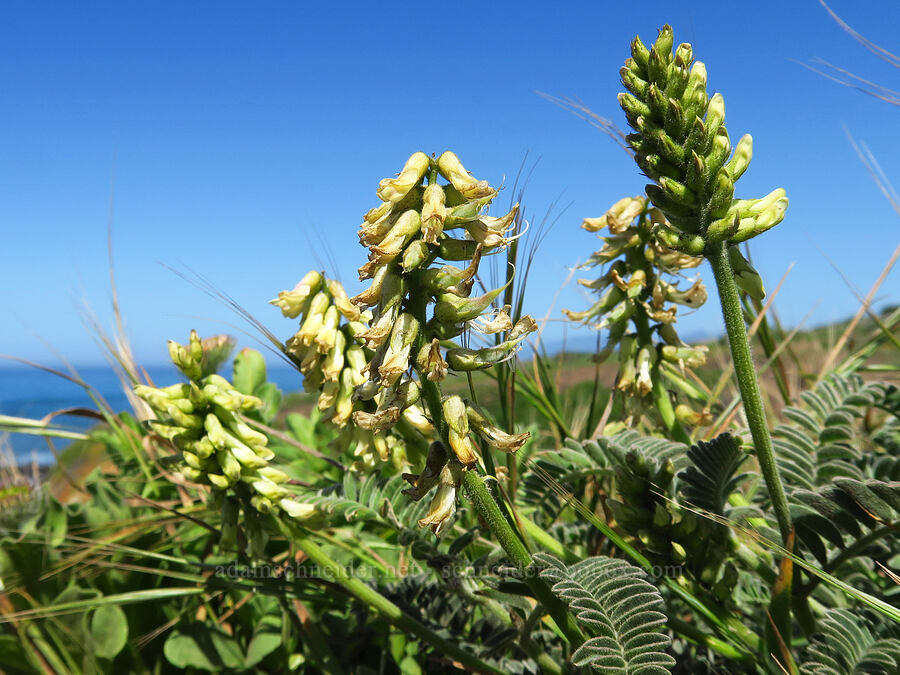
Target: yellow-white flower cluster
x=203 y=418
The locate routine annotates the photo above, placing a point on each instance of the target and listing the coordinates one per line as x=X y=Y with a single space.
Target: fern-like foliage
x=846 y=507
x=568 y=466
x=619 y=608
x=847 y=645
x=822 y=442
x=576 y=461
x=713 y=473
x=839 y=477
x=370 y=498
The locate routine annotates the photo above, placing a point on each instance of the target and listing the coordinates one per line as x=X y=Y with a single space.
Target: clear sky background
x=234 y=139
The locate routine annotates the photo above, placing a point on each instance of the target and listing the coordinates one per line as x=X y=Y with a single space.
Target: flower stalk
x=681 y=143
x=747 y=382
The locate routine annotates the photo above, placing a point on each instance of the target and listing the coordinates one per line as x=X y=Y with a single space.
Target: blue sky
x=234 y=138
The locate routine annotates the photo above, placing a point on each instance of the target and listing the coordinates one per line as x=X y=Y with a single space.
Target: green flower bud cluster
x=329 y=349
x=666 y=533
x=639 y=296
x=681 y=143
x=203 y=419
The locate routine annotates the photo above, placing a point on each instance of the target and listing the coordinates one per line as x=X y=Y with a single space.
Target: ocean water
x=33 y=393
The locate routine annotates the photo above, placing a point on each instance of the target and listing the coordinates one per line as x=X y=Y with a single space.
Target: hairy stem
x=484 y=502
x=515 y=549
x=747 y=382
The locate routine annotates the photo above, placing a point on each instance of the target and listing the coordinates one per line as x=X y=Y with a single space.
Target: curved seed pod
x=462 y=213
x=496 y=437
x=452 y=279
x=454 y=309
x=462 y=359
x=692 y=357
x=612 y=297
x=456 y=249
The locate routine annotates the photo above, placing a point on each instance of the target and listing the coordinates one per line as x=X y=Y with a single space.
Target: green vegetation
x=428 y=505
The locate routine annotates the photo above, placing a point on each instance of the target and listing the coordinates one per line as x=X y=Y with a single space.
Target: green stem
x=484 y=502
x=368 y=595
x=515 y=549
x=747 y=382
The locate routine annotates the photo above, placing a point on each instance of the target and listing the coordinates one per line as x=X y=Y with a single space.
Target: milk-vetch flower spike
x=639 y=290
x=682 y=144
